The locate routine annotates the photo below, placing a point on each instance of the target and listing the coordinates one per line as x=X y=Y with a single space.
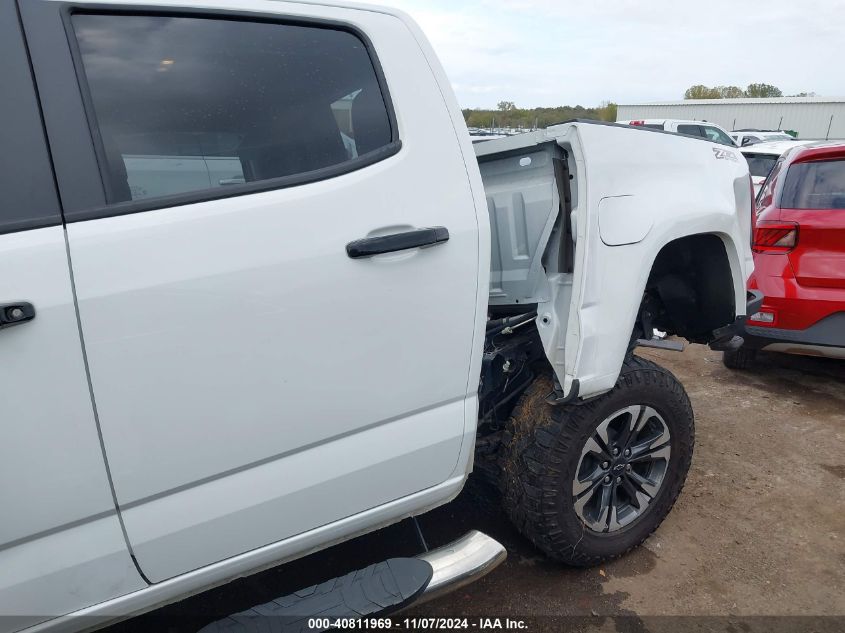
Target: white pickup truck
x=702 y=129
x=260 y=295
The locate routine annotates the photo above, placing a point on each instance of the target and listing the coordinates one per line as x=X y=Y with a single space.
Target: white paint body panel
x=253 y=382
x=634 y=191
x=676 y=185
x=61 y=546
x=619 y=221
x=294 y=494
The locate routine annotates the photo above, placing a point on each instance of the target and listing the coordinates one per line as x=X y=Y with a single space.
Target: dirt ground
x=759 y=529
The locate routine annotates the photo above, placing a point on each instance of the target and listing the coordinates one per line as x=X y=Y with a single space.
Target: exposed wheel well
x=689 y=291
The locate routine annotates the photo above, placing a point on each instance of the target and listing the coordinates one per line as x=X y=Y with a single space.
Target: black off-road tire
x=742 y=358
x=542 y=453
x=483 y=483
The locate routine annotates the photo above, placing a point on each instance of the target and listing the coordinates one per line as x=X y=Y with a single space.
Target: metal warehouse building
x=811 y=117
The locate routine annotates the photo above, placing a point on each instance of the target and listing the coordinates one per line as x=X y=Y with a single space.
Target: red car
x=799 y=258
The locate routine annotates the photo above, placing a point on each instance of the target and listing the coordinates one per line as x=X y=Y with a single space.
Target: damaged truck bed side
x=601 y=234
x=610 y=231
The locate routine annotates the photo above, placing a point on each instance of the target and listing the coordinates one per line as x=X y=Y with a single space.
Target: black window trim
x=206 y=195
x=34 y=133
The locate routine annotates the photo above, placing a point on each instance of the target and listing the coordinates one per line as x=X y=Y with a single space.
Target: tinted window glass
x=653 y=126
x=760 y=164
x=187 y=104
x=716 y=135
x=815 y=185
x=692 y=130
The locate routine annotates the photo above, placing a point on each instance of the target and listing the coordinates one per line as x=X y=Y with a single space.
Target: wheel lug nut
x=628 y=467
x=605 y=465
x=608 y=479
x=615 y=452
x=619 y=480
x=627 y=452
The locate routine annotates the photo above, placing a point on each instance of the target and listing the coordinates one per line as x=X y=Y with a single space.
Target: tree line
x=752 y=91
x=508 y=115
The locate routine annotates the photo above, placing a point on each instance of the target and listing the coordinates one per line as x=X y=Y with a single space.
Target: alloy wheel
x=621 y=469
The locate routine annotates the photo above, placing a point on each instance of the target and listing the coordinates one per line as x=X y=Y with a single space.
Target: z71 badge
x=723 y=154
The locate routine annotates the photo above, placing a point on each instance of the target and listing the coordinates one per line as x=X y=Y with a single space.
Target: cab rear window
x=815 y=185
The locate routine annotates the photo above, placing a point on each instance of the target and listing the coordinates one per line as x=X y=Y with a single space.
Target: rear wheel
x=586 y=483
x=742 y=358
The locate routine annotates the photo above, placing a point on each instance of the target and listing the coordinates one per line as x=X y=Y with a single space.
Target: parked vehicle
x=251 y=307
x=703 y=129
x=763 y=156
x=744 y=138
x=799 y=256
x=483 y=138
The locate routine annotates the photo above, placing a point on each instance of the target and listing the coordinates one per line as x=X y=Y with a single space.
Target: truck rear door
x=277 y=276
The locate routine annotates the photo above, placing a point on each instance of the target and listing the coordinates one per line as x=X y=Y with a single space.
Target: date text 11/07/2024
x=417 y=624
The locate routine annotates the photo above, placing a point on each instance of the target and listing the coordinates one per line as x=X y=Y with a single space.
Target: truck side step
x=381 y=588
x=384 y=586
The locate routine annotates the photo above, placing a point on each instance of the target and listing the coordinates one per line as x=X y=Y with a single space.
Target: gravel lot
x=759 y=529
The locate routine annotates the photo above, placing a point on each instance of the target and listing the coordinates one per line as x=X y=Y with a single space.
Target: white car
x=762 y=157
x=743 y=138
x=259 y=294
x=703 y=129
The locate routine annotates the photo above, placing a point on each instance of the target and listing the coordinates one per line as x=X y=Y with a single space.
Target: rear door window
x=716 y=135
x=193 y=104
x=691 y=130
x=815 y=185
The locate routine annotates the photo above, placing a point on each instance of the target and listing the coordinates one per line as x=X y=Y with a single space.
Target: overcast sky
x=569 y=52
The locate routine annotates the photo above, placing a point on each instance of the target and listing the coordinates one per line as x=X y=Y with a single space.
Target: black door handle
x=15 y=313
x=418 y=238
